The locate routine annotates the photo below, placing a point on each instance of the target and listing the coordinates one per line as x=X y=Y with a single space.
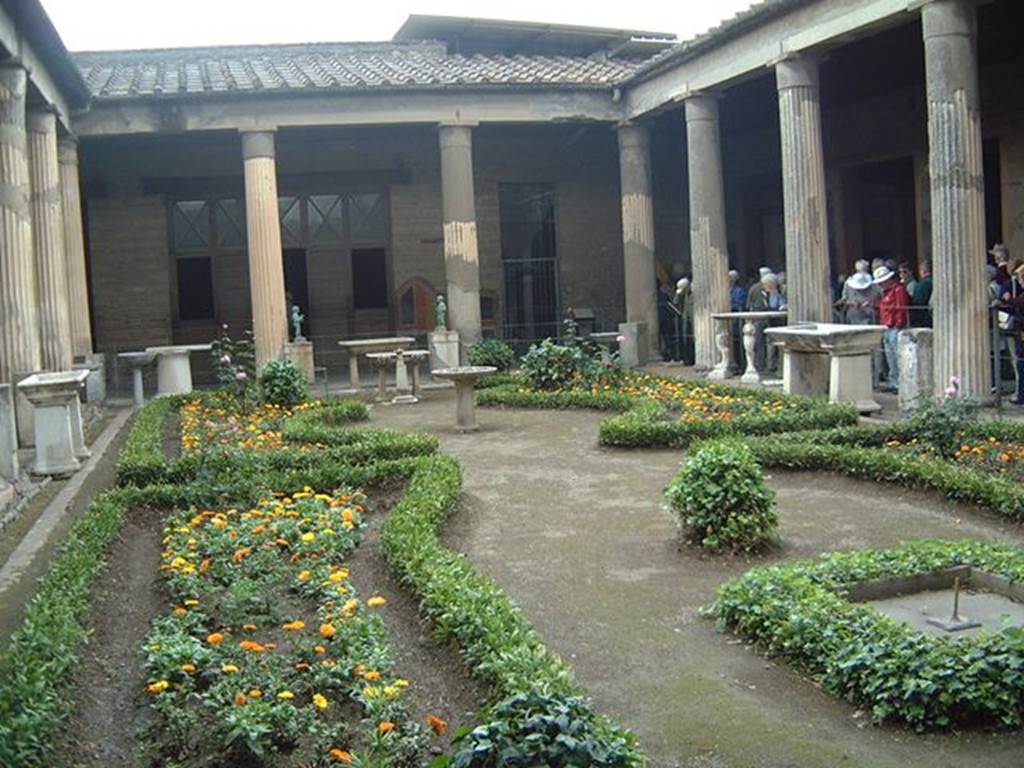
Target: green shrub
x=942 y=424
x=141 y=461
x=492 y=352
x=282 y=383
x=533 y=729
x=548 y=366
x=799 y=611
x=721 y=501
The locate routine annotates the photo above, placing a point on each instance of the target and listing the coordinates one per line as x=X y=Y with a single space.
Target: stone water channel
x=577 y=536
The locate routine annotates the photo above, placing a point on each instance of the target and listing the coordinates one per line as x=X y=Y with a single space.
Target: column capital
x=452 y=135
x=42 y=119
x=257 y=144
x=797 y=71
x=633 y=135
x=941 y=18
x=67 y=150
x=701 y=106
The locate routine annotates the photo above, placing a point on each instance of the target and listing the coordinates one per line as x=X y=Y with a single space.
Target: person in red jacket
x=894 y=314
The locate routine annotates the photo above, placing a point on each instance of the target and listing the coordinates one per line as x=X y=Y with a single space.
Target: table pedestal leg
x=723 y=341
x=138 y=393
x=750 y=376
x=382 y=389
x=353 y=370
x=465 y=407
x=173 y=374
x=849 y=381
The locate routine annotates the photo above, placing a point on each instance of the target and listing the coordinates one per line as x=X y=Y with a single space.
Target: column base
x=633 y=348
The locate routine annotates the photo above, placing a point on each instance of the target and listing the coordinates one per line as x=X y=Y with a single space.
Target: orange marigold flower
x=204 y=566
x=438 y=725
x=386 y=727
x=341 y=756
x=372 y=676
x=240 y=699
x=158 y=687
x=250 y=645
x=241 y=554
x=327 y=630
x=179 y=611
x=215 y=638
x=255 y=693
x=249 y=627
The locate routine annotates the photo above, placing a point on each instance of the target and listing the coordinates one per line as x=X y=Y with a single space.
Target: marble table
x=464 y=377
x=173 y=369
x=60 y=442
x=357 y=347
x=608 y=341
x=822 y=358
x=137 y=361
x=407 y=373
x=723 y=340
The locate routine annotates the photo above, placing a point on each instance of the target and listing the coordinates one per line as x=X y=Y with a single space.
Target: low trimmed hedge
x=141 y=460
x=327 y=423
x=799 y=611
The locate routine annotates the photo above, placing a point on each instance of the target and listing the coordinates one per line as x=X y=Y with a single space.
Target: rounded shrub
x=553 y=366
x=282 y=383
x=492 y=352
x=720 y=499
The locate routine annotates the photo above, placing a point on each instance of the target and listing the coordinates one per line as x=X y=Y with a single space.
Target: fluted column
x=48 y=240
x=19 y=303
x=638 y=229
x=461 y=254
x=803 y=185
x=74 y=248
x=962 y=344
x=263 y=228
x=708 y=251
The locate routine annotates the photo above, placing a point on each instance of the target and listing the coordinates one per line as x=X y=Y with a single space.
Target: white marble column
x=19 y=302
x=638 y=229
x=74 y=248
x=461 y=252
x=708 y=251
x=263 y=227
x=808 y=290
x=962 y=344
x=48 y=239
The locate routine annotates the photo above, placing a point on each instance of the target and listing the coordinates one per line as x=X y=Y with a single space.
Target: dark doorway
x=993 y=192
x=529 y=256
x=296 y=287
x=369 y=278
x=888 y=209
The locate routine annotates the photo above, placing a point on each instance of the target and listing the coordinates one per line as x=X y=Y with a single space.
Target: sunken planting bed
x=265 y=642
x=814 y=614
x=650 y=411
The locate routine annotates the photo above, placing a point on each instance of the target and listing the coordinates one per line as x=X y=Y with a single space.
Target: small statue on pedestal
x=441 y=311
x=297 y=318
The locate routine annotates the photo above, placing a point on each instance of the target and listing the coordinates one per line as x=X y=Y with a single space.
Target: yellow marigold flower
x=308 y=536
x=327 y=630
x=376 y=601
x=320 y=700
x=350 y=606
x=294 y=626
x=402 y=682
x=255 y=693
x=286 y=695
x=391 y=692
x=179 y=611
x=337 y=576
x=371 y=692
x=158 y=687
x=305 y=576
x=319 y=649
x=191 y=601
x=228 y=668
x=188 y=668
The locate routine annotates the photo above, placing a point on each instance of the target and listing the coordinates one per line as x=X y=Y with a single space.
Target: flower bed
x=799 y=611
x=653 y=411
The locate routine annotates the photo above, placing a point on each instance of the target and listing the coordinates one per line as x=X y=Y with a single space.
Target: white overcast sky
x=111 y=24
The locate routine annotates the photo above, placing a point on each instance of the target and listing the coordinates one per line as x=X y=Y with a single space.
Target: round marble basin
x=464 y=372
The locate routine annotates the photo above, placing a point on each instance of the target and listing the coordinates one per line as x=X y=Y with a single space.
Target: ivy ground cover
x=799 y=611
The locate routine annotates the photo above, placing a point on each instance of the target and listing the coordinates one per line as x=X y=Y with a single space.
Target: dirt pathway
x=576 y=535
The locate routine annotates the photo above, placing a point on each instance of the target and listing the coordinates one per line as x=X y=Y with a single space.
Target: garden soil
x=577 y=536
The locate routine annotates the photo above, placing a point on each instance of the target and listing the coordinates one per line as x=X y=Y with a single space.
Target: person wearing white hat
x=860 y=296
x=894 y=314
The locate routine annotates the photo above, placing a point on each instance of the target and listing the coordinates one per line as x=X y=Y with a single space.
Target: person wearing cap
x=860 y=297
x=1011 y=306
x=765 y=296
x=894 y=314
x=921 y=296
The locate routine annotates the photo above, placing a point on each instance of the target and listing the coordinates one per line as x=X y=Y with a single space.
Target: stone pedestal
x=57 y=421
x=464 y=379
x=138 y=361
x=461 y=251
x=444 y=349
x=641 y=286
x=633 y=349
x=849 y=381
x=96 y=384
x=804 y=373
x=915 y=350
x=10 y=467
x=300 y=352
x=173 y=369
x=357 y=347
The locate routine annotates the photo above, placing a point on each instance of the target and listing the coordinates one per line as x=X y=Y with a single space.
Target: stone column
x=638 y=229
x=461 y=254
x=962 y=344
x=48 y=238
x=808 y=291
x=19 y=303
x=74 y=248
x=708 y=251
x=263 y=228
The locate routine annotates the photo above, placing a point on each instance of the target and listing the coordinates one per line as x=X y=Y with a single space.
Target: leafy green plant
x=282 y=383
x=533 y=729
x=234 y=362
x=799 y=611
x=550 y=366
x=492 y=352
x=720 y=499
x=942 y=423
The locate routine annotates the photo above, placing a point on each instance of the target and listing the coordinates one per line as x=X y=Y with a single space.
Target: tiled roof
x=330 y=66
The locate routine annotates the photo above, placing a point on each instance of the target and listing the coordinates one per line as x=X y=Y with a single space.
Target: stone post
x=74 y=249
x=48 y=238
x=708 y=251
x=19 y=302
x=808 y=292
x=638 y=230
x=263 y=227
x=461 y=255
x=962 y=344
